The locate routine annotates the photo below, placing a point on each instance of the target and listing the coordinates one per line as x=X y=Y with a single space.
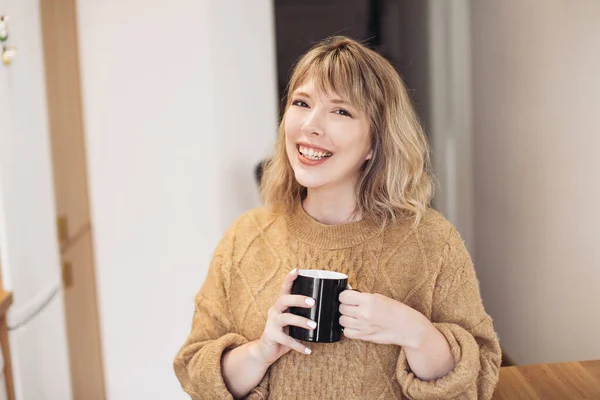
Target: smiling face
x=379 y=125
x=327 y=139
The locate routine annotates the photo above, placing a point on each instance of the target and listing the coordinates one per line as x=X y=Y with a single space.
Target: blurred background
x=130 y=134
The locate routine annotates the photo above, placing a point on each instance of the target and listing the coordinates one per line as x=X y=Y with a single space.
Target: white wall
x=537 y=193
x=179 y=105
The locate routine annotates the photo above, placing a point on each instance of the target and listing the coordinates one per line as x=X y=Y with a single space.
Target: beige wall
x=536 y=129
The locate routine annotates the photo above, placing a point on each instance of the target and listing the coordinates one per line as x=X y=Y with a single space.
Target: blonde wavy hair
x=397 y=181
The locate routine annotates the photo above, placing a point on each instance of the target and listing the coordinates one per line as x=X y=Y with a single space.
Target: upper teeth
x=307 y=151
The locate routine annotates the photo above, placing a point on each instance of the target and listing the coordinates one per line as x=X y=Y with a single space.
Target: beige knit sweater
x=427 y=268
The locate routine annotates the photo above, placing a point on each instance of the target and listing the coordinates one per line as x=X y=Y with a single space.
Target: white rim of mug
x=321 y=274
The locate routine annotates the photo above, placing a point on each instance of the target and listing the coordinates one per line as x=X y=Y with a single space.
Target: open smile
x=312 y=153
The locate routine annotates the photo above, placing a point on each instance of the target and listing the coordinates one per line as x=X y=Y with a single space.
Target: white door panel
x=29 y=247
x=29 y=233
x=39 y=351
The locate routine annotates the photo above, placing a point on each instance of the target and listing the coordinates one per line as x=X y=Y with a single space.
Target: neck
x=331 y=206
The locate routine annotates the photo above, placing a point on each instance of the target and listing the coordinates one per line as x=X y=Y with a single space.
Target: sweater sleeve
x=459 y=315
x=198 y=363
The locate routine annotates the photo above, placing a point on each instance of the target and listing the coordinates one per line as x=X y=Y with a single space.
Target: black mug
x=325 y=287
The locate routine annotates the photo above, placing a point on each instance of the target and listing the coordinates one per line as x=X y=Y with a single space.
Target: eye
x=341 y=111
x=299 y=103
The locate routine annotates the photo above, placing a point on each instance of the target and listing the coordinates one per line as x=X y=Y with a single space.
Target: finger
x=287 y=319
x=350 y=311
x=352 y=333
x=349 y=322
x=293 y=344
x=293 y=300
x=351 y=297
x=288 y=281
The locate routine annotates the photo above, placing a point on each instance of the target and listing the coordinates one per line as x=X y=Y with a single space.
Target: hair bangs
x=334 y=72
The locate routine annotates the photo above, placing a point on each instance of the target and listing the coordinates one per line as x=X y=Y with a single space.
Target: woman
x=348 y=189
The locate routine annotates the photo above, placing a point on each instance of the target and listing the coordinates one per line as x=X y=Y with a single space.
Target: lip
x=308 y=161
x=310 y=146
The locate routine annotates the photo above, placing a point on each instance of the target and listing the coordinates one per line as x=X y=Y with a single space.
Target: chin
x=309 y=182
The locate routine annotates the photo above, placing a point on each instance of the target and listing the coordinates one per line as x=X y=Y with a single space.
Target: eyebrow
x=340 y=101
x=335 y=101
x=302 y=94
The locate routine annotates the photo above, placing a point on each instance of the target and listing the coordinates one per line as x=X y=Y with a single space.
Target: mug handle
x=348 y=287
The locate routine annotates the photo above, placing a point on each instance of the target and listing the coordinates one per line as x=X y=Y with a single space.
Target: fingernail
x=312 y=324
x=292 y=272
x=307 y=350
x=310 y=301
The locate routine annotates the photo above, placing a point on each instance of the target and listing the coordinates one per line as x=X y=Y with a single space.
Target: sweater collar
x=312 y=232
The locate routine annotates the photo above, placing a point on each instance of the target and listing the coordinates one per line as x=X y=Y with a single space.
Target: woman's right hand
x=275 y=341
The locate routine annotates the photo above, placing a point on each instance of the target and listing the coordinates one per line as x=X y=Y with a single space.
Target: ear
x=369 y=155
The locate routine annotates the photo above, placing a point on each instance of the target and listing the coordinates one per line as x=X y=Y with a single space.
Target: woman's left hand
x=379 y=319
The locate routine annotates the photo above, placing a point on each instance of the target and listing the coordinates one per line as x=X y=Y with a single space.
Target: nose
x=313 y=124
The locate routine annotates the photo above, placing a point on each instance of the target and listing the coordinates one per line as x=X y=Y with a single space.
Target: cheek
x=293 y=125
x=364 y=143
x=356 y=142
x=290 y=140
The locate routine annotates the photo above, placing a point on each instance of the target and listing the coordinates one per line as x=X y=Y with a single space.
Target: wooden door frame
x=67 y=138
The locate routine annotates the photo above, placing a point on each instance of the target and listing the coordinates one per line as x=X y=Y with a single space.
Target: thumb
x=288 y=281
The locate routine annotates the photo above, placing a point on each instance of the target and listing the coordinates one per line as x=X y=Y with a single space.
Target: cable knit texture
x=427 y=268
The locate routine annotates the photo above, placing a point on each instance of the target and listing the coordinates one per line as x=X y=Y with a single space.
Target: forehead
x=312 y=90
